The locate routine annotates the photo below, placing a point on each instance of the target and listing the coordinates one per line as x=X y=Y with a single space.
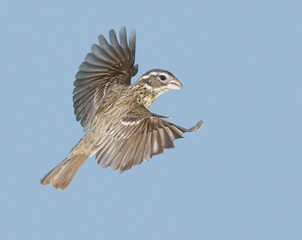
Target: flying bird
x=122 y=132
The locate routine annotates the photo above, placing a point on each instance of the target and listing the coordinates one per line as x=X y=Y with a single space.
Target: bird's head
x=160 y=81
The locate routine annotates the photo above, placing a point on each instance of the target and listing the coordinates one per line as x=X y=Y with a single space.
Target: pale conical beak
x=174 y=84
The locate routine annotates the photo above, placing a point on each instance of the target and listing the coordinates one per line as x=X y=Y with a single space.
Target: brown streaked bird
x=122 y=131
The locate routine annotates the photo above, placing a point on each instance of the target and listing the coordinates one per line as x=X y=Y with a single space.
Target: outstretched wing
x=137 y=137
x=105 y=66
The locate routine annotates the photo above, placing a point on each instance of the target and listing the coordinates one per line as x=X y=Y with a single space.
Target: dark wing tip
x=132 y=40
x=123 y=29
x=123 y=36
x=112 y=38
x=101 y=39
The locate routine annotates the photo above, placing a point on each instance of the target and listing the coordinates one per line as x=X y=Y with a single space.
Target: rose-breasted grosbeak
x=122 y=131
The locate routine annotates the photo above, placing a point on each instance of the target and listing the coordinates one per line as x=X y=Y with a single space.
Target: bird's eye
x=162 y=77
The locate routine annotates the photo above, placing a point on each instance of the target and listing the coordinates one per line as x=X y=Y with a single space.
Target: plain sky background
x=238 y=178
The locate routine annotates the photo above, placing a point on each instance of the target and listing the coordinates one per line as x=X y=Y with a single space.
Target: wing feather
x=131 y=157
x=168 y=139
x=104 y=67
x=139 y=154
x=135 y=139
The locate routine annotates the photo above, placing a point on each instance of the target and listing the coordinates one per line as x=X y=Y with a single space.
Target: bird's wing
x=105 y=66
x=137 y=136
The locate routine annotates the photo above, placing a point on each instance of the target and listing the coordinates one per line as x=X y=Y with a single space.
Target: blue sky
x=238 y=178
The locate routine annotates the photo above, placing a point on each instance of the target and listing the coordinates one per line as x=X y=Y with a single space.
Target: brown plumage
x=122 y=131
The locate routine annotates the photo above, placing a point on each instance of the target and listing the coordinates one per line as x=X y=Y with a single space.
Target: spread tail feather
x=63 y=173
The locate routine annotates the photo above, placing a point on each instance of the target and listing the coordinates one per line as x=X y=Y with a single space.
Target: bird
x=120 y=130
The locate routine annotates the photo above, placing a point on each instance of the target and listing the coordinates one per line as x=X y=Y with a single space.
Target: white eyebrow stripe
x=153 y=73
x=150 y=74
x=145 y=77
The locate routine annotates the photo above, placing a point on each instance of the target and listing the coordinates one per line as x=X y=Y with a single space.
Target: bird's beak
x=174 y=84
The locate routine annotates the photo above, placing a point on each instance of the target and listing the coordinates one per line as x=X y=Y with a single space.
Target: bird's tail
x=63 y=173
